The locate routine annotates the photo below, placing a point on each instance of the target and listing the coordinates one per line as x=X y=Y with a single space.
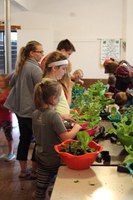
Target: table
x=95 y=183
x=116 y=151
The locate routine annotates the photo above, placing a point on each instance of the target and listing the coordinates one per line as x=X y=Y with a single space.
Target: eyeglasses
x=39 y=52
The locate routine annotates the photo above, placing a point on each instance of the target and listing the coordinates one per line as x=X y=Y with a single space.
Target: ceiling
x=52 y=7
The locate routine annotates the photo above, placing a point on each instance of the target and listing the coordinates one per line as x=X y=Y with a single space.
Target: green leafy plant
x=113 y=112
x=90 y=103
x=114 y=116
x=129 y=158
x=128 y=112
x=92 y=117
x=123 y=131
x=80 y=146
x=97 y=88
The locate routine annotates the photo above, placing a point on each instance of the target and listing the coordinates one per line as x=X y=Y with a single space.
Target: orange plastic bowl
x=78 y=162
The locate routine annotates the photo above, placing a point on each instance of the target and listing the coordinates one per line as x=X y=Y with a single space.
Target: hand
x=109 y=94
x=66 y=117
x=78 y=127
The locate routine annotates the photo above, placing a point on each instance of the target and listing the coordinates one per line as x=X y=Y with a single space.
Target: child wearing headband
x=55 y=68
x=49 y=130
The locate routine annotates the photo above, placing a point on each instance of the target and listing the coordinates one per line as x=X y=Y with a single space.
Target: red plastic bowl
x=84 y=125
x=92 y=131
x=78 y=162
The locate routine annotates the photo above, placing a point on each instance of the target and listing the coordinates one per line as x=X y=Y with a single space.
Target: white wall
x=102 y=19
x=129 y=33
x=25 y=36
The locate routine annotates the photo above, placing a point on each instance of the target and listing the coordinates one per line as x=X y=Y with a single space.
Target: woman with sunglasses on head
x=20 y=100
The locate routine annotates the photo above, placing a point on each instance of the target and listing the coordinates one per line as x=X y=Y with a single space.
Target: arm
x=36 y=74
x=3 y=98
x=71 y=134
x=61 y=130
x=12 y=79
x=70 y=92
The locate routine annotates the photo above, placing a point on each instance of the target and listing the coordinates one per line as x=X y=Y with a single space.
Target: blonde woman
x=20 y=99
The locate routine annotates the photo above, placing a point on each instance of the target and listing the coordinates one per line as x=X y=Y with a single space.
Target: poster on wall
x=110 y=48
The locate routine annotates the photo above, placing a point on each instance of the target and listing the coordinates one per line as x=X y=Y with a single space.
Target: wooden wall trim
x=88 y=82
x=13 y=27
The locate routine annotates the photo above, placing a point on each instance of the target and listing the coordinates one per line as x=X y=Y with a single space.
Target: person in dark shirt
x=123 y=72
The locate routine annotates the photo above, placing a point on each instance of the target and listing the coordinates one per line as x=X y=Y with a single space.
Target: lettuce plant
x=129 y=158
x=79 y=147
x=123 y=130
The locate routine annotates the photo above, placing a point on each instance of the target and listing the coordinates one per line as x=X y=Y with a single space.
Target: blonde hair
x=78 y=72
x=24 y=53
x=66 y=79
x=44 y=91
x=53 y=57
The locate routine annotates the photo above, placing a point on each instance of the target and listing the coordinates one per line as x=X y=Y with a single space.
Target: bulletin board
x=110 y=48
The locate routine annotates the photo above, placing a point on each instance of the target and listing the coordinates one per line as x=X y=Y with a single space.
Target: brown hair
x=53 y=57
x=65 y=44
x=121 y=98
x=110 y=66
x=111 y=80
x=44 y=91
x=24 y=54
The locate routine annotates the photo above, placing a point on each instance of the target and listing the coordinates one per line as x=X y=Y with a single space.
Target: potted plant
x=90 y=105
x=129 y=158
x=128 y=112
x=79 y=154
x=114 y=114
x=123 y=131
x=89 y=112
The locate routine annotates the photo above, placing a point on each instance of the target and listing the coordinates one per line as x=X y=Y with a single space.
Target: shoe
x=32 y=176
x=10 y=157
x=24 y=174
x=2 y=155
